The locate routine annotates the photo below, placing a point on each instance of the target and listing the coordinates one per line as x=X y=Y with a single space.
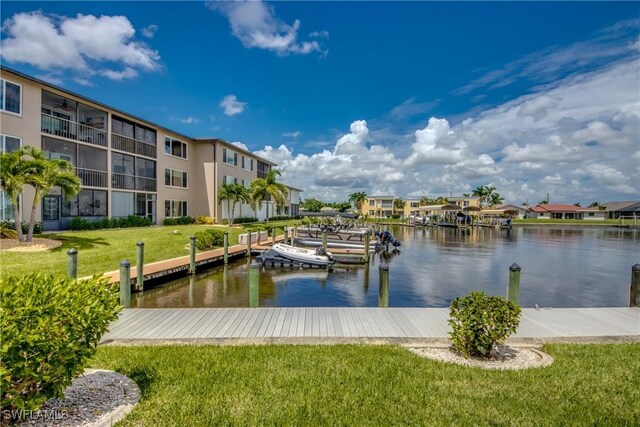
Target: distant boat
x=281 y=253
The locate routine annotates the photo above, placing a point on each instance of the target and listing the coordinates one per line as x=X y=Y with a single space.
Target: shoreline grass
x=373 y=385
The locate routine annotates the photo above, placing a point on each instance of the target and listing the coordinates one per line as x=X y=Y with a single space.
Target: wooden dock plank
x=194 y=323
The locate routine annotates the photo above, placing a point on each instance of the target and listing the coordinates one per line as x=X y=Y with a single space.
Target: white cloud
x=240 y=144
x=254 y=23
x=189 y=120
x=232 y=106
x=149 y=31
x=85 y=44
x=576 y=140
x=293 y=134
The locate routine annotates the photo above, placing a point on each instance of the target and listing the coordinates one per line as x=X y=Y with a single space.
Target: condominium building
x=127 y=165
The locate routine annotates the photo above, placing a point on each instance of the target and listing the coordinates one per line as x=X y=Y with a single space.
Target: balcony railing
x=92 y=178
x=131 y=182
x=130 y=145
x=73 y=130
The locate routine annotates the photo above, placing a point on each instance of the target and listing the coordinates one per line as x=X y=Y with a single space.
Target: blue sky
x=409 y=99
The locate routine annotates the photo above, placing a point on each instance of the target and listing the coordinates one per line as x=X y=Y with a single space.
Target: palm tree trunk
x=16 y=218
x=267 y=210
x=233 y=212
x=32 y=219
x=229 y=212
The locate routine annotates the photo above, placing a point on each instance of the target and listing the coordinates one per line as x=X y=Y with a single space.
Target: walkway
x=213 y=323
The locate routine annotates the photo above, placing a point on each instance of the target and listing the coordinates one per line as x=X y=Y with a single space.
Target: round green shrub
x=50 y=326
x=480 y=322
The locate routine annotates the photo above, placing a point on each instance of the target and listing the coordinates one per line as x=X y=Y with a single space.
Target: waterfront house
x=560 y=211
x=127 y=165
x=378 y=206
x=625 y=209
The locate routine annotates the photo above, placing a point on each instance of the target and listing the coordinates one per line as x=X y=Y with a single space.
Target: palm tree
x=44 y=174
x=398 y=204
x=495 y=199
x=358 y=199
x=424 y=201
x=232 y=194
x=13 y=173
x=267 y=188
x=484 y=193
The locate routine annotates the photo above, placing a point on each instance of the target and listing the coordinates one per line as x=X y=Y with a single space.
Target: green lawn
x=102 y=250
x=373 y=385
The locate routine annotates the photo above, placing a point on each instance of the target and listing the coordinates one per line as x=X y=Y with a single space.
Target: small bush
x=204 y=220
x=50 y=327
x=480 y=322
x=10 y=225
x=208 y=239
x=181 y=220
x=79 y=223
x=7 y=231
x=245 y=219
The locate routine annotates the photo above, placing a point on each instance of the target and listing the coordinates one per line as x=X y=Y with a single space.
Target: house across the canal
x=559 y=211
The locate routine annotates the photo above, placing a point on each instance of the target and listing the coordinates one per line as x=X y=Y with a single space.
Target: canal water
x=561 y=267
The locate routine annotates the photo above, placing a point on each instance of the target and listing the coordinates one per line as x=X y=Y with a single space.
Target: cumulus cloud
x=149 y=31
x=231 y=106
x=85 y=45
x=240 y=145
x=255 y=24
x=576 y=140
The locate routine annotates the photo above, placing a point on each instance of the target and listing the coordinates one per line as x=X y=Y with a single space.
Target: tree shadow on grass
x=143 y=376
x=78 y=242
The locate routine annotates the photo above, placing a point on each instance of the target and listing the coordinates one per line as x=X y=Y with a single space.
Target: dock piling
x=140 y=266
x=273 y=236
x=513 y=291
x=249 y=242
x=634 y=289
x=125 y=283
x=254 y=284
x=72 y=264
x=324 y=240
x=366 y=247
x=383 y=290
x=192 y=253
x=226 y=247
x=286 y=235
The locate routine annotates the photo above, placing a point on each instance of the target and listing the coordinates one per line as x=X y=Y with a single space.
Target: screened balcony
x=73 y=120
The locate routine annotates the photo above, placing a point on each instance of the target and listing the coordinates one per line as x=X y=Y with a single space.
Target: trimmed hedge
x=79 y=223
x=480 y=322
x=181 y=220
x=50 y=326
x=204 y=220
x=209 y=239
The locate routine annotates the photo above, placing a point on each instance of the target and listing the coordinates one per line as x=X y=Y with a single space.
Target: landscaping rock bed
x=97 y=398
x=37 y=245
x=504 y=357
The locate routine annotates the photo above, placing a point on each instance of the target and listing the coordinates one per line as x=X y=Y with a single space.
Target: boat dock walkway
x=193 y=324
x=174 y=265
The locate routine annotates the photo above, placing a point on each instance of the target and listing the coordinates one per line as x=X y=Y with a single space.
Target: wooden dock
x=297 y=322
x=181 y=264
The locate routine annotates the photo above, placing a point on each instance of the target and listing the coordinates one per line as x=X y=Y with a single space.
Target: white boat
x=342 y=244
x=281 y=253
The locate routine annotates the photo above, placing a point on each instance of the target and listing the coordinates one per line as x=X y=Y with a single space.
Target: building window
x=9 y=143
x=372 y=202
x=175 y=208
x=230 y=157
x=372 y=213
x=10 y=97
x=229 y=179
x=175 y=178
x=86 y=203
x=247 y=163
x=591 y=214
x=246 y=183
x=173 y=147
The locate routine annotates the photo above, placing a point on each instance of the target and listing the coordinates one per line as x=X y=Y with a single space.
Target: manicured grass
x=373 y=385
x=102 y=250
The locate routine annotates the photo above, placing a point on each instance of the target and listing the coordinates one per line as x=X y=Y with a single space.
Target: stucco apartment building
x=127 y=165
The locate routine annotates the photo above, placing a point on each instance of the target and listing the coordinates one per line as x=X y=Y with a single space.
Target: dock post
x=125 y=283
x=634 y=289
x=226 y=247
x=249 y=242
x=140 y=266
x=72 y=264
x=324 y=240
x=366 y=248
x=273 y=236
x=254 y=284
x=192 y=257
x=383 y=290
x=286 y=235
x=513 y=291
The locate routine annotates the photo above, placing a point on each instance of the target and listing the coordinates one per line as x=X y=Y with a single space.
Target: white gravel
x=94 y=399
x=504 y=357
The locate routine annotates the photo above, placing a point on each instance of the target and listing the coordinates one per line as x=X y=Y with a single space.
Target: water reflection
x=561 y=267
